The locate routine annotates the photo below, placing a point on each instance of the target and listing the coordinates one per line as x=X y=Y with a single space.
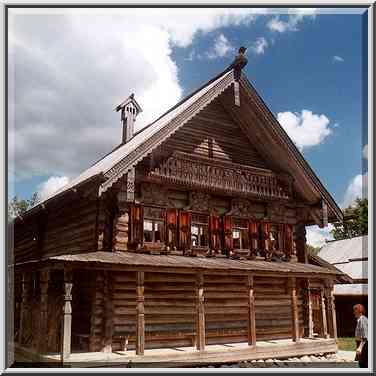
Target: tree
x=18 y=206
x=313 y=250
x=355 y=221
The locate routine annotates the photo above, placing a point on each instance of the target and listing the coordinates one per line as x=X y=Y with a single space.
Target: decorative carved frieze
x=199 y=201
x=181 y=168
x=241 y=208
x=155 y=194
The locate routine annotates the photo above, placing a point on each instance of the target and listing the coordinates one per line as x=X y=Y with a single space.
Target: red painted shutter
x=253 y=235
x=171 y=224
x=214 y=224
x=227 y=228
x=184 y=230
x=136 y=225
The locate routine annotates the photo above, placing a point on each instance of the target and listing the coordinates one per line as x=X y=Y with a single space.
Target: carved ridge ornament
x=197 y=172
x=136 y=155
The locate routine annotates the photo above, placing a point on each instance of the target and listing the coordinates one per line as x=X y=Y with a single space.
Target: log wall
x=273 y=309
x=214 y=134
x=226 y=309
x=25 y=241
x=171 y=312
x=71 y=228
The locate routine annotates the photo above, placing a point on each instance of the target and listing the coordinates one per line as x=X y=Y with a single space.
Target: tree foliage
x=18 y=206
x=313 y=250
x=355 y=221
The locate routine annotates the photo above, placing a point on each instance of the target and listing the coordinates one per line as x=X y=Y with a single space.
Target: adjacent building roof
x=129 y=259
x=351 y=257
x=351 y=289
x=348 y=255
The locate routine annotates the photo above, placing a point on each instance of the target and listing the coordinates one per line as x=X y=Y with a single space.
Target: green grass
x=346 y=344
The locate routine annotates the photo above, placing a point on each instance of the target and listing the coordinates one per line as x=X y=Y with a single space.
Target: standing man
x=361 y=335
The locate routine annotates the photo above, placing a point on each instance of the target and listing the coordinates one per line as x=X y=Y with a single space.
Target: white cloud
x=51 y=185
x=317 y=236
x=222 y=47
x=357 y=188
x=260 y=45
x=338 y=59
x=365 y=152
x=68 y=71
x=305 y=129
x=294 y=18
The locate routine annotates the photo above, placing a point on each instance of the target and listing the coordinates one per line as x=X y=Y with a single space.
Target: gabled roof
x=124 y=157
x=348 y=255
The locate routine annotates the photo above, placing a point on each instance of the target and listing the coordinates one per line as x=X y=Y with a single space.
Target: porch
x=122 y=308
x=186 y=356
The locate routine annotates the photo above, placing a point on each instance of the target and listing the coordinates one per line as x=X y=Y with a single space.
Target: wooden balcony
x=213 y=175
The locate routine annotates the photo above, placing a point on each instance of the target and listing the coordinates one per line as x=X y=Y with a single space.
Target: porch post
x=251 y=313
x=25 y=308
x=294 y=310
x=310 y=313
x=67 y=318
x=108 y=313
x=329 y=288
x=43 y=328
x=140 y=329
x=323 y=315
x=200 y=313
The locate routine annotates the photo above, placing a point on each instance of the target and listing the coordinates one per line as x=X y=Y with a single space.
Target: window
x=200 y=231
x=275 y=237
x=240 y=234
x=154 y=225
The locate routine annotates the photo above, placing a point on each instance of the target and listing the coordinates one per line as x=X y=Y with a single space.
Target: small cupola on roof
x=129 y=111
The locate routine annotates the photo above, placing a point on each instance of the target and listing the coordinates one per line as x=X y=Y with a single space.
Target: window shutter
x=215 y=241
x=136 y=225
x=171 y=224
x=227 y=228
x=184 y=230
x=253 y=236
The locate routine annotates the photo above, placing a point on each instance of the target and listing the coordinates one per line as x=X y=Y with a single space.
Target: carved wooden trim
x=67 y=318
x=204 y=174
x=199 y=202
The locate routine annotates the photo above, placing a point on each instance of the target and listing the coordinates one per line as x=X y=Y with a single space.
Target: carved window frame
x=197 y=222
x=149 y=216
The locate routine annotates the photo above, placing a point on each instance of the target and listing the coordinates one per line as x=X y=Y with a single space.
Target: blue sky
x=299 y=62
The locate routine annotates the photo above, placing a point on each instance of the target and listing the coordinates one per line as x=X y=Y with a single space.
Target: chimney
x=129 y=111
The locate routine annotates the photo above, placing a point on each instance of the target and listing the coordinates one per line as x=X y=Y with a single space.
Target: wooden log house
x=190 y=234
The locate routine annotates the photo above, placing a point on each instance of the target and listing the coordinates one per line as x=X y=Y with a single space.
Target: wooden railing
x=204 y=173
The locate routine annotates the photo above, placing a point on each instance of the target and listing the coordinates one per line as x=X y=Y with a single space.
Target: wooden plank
x=200 y=313
x=108 y=313
x=43 y=329
x=140 y=329
x=323 y=314
x=251 y=313
x=67 y=318
x=294 y=310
